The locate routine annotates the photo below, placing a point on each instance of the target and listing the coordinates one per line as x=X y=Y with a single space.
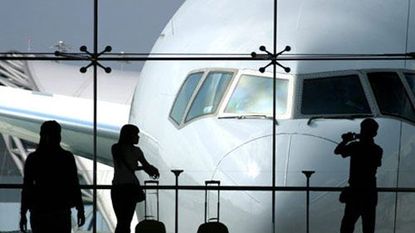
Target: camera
x=350 y=136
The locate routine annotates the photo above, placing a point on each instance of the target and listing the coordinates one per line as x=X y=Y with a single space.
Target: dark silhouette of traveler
x=365 y=158
x=50 y=185
x=126 y=191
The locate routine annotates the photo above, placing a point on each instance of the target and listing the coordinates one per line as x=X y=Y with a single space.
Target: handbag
x=345 y=194
x=139 y=193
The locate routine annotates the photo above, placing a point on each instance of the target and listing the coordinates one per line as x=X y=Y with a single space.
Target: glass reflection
x=253 y=95
x=209 y=95
x=184 y=96
x=334 y=95
x=391 y=95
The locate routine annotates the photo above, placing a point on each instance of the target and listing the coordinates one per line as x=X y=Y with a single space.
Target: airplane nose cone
x=249 y=164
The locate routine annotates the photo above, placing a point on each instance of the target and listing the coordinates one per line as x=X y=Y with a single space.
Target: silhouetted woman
x=50 y=185
x=125 y=192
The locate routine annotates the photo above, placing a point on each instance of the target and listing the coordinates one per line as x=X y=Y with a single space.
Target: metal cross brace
x=92 y=57
x=272 y=57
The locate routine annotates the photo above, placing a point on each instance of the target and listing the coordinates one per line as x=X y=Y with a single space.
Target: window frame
x=185 y=120
x=331 y=74
x=408 y=88
x=294 y=100
x=288 y=77
x=401 y=75
x=367 y=89
x=192 y=96
x=206 y=72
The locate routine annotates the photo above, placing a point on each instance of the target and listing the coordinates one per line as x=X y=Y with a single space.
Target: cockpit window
x=253 y=95
x=183 y=98
x=391 y=95
x=334 y=95
x=210 y=94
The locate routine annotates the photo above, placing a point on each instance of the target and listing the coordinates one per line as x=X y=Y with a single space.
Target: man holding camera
x=365 y=158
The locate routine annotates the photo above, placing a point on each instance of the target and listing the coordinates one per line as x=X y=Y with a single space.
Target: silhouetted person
x=50 y=185
x=124 y=194
x=365 y=158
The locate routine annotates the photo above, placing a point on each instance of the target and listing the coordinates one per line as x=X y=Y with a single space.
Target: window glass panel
x=391 y=95
x=185 y=93
x=334 y=95
x=253 y=95
x=410 y=78
x=209 y=95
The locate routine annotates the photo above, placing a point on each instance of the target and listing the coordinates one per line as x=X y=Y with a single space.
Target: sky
x=126 y=25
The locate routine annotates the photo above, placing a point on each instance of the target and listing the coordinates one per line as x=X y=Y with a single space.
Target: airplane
x=213 y=119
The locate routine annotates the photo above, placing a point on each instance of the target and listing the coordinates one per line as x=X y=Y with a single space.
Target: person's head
x=50 y=134
x=368 y=128
x=129 y=134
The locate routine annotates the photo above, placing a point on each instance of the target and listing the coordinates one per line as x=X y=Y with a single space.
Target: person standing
x=126 y=191
x=365 y=158
x=50 y=185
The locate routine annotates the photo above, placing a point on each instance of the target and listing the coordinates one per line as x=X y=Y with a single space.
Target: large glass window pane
x=209 y=95
x=46 y=26
x=334 y=95
x=253 y=95
x=184 y=96
x=391 y=95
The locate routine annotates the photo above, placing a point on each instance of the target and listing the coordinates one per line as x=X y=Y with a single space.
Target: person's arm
x=343 y=147
x=380 y=154
x=146 y=166
x=27 y=192
x=79 y=205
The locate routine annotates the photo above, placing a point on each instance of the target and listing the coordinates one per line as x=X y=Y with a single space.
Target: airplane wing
x=22 y=112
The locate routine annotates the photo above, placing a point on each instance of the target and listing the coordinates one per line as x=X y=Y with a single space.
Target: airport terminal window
x=391 y=95
x=183 y=98
x=253 y=95
x=210 y=94
x=334 y=95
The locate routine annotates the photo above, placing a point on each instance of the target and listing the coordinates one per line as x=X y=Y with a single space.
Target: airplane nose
x=249 y=164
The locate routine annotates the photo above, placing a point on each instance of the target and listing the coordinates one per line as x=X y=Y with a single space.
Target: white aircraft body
x=212 y=118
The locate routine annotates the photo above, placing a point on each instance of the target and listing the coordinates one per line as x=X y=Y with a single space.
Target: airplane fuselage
x=229 y=135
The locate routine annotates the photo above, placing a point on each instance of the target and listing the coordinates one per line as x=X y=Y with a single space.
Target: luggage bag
x=151 y=224
x=212 y=225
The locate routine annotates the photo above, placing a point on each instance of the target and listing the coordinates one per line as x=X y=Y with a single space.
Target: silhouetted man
x=50 y=185
x=365 y=158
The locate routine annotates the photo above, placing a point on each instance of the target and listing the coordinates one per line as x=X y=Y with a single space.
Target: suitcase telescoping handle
x=207 y=183
x=155 y=183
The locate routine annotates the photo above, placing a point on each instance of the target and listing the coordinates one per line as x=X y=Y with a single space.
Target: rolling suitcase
x=151 y=224
x=212 y=225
